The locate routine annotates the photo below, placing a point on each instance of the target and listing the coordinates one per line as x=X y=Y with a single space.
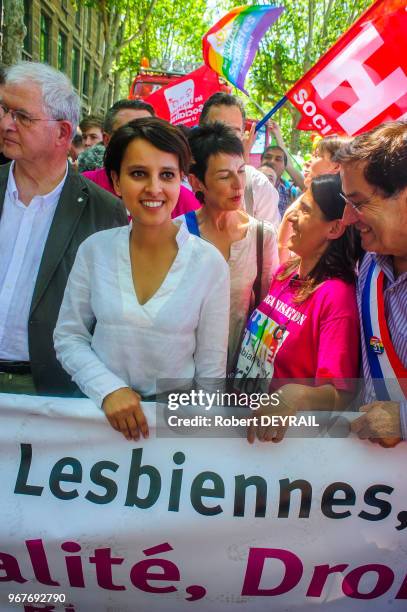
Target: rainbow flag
x=231 y=44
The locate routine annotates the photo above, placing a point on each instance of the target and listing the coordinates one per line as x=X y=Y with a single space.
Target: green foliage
x=115 y=16
x=174 y=31
x=305 y=30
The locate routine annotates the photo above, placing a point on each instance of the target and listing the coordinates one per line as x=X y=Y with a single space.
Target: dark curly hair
x=384 y=151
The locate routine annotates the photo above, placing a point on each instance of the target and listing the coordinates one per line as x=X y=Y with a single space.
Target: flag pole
x=255 y=103
x=275 y=108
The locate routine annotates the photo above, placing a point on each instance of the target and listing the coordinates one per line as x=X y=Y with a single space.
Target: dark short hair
x=159 y=133
x=124 y=105
x=221 y=98
x=207 y=140
x=272 y=147
x=326 y=191
x=77 y=140
x=184 y=129
x=384 y=149
x=90 y=122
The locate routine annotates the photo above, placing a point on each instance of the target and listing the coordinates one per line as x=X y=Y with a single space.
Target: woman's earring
x=200 y=196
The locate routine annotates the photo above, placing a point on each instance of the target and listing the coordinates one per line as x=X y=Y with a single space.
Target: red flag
x=362 y=80
x=182 y=100
x=305 y=124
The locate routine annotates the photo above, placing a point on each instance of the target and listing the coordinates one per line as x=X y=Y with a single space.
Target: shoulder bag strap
x=259 y=255
x=192 y=223
x=248 y=194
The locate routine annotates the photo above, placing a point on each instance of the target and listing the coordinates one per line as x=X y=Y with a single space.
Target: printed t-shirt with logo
x=317 y=339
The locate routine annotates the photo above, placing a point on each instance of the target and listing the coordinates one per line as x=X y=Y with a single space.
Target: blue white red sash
x=388 y=373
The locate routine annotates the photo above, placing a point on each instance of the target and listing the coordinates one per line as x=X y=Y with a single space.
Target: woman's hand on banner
x=265 y=430
x=124 y=413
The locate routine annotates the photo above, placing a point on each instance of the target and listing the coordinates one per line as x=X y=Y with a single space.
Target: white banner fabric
x=205 y=525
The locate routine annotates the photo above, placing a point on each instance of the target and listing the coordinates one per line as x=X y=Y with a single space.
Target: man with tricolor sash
x=374 y=182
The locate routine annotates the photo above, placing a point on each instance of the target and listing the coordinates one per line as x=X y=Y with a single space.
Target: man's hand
x=248 y=140
x=275 y=130
x=380 y=423
x=124 y=413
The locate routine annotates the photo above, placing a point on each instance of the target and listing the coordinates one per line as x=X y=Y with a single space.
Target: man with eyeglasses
x=46 y=211
x=374 y=183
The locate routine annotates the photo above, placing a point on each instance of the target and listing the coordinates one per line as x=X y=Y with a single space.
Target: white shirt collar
x=385 y=263
x=182 y=235
x=46 y=199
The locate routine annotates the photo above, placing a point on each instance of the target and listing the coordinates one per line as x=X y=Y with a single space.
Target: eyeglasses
x=21 y=117
x=358 y=206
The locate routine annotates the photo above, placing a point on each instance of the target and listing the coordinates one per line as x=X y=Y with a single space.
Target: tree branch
x=327 y=15
x=352 y=14
x=142 y=28
x=105 y=20
x=311 y=20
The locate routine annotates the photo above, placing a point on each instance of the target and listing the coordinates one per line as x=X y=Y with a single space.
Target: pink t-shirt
x=186 y=201
x=317 y=340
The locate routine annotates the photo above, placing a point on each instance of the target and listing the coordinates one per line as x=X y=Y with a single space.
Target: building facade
x=69 y=38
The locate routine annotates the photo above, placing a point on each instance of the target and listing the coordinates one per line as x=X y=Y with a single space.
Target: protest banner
x=361 y=81
x=90 y=521
x=182 y=100
x=230 y=45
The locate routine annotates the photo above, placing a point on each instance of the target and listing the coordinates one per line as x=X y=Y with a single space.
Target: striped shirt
x=287 y=193
x=395 y=305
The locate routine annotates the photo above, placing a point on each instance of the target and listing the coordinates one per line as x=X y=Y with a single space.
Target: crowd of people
x=157 y=252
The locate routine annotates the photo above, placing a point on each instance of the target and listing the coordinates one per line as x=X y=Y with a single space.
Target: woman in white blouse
x=217 y=176
x=148 y=301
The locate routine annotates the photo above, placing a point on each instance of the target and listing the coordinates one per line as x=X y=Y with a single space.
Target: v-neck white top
x=105 y=339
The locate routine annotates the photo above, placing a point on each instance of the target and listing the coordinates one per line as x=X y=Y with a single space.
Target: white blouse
x=243 y=272
x=105 y=339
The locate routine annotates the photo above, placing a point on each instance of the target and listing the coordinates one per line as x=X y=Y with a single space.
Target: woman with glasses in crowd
x=149 y=300
x=303 y=339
